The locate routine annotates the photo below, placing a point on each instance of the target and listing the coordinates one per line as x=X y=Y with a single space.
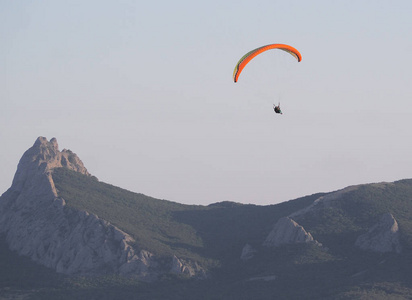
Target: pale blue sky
x=142 y=91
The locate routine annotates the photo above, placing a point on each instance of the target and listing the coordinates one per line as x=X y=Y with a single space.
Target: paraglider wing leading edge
x=250 y=55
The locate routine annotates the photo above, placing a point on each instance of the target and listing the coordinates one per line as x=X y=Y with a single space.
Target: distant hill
x=73 y=237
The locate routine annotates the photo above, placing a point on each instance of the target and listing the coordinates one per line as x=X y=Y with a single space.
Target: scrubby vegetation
x=150 y=221
x=165 y=227
x=214 y=235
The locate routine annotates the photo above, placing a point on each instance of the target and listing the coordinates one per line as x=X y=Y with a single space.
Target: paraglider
x=251 y=54
x=277 y=109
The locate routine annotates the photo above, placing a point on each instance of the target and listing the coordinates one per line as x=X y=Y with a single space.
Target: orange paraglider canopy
x=250 y=55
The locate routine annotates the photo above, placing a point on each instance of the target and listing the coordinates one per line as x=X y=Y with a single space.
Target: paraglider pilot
x=276 y=108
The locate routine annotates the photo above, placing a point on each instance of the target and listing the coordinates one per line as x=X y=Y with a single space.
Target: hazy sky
x=142 y=91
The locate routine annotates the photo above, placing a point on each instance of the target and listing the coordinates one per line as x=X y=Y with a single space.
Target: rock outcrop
x=36 y=164
x=248 y=252
x=382 y=237
x=186 y=267
x=287 y=231
x=37 y=223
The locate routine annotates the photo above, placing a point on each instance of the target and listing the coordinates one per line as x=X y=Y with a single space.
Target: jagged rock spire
x=42 y=158
x=49 y=152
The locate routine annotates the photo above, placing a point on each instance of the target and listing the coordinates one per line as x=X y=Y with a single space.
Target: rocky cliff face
x=37 y=223
x=287 y=231
x=382 y=237
x=36 y=164
x=187 y=268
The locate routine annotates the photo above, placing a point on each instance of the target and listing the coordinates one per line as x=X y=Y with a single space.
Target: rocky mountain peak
x=40 y=160
x=36 y=224
x=47 y=152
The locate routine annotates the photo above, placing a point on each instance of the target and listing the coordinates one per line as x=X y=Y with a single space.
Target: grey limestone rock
x=287 y=231
x=382 y=237
x=38 y=225
x=186 y=267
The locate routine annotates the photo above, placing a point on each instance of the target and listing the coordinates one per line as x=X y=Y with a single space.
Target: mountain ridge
x=160 y=241
x=38 y=223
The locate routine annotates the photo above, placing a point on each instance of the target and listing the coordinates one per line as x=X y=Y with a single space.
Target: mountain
x=66 y=235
